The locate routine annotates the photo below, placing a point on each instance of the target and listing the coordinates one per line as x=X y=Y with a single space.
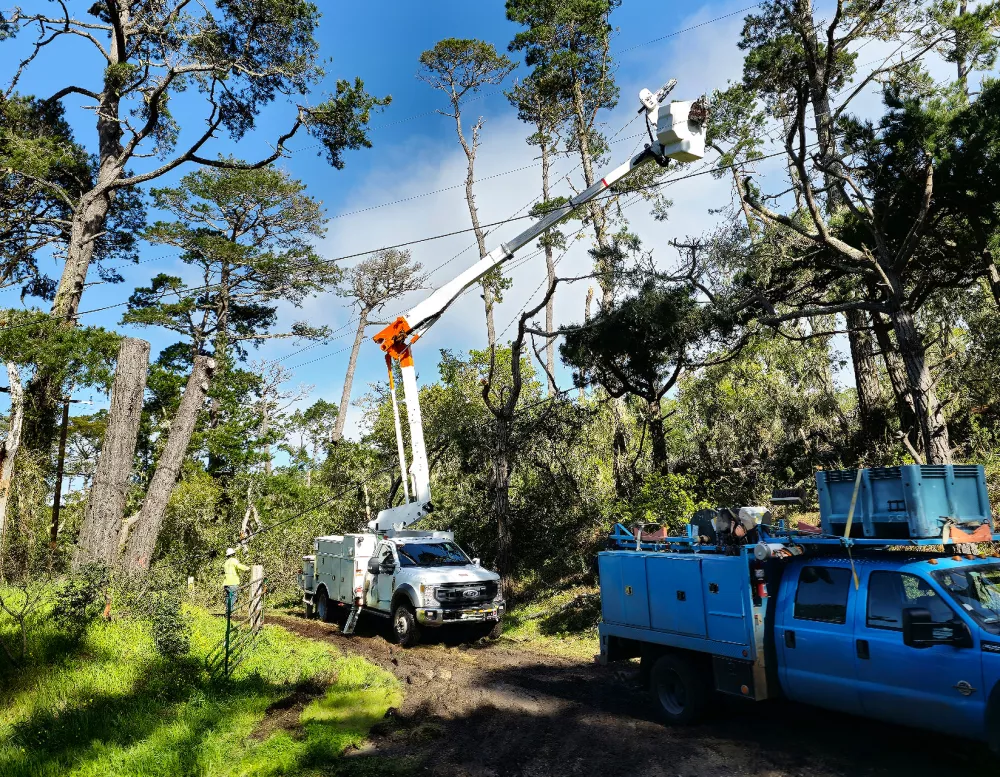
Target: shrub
x=79 y=599
x=171 y=629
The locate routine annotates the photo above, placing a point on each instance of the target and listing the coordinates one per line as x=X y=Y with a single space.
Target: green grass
x=559 y=622
x=112 y=706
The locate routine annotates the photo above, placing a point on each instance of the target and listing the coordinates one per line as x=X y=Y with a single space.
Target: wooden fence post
x=256 y=597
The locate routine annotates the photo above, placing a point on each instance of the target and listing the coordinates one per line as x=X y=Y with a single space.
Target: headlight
x=427 y=595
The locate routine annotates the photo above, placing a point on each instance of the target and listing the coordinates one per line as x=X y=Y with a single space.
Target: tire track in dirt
x=498 y=710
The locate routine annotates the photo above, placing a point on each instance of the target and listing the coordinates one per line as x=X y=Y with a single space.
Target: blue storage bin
x=916 y=501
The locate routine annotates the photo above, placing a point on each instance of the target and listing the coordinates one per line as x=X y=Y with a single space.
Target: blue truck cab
x=905 y=632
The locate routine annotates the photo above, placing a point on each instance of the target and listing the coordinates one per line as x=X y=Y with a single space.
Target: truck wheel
x=679 y=691
x=404 y=626
x=323 y=606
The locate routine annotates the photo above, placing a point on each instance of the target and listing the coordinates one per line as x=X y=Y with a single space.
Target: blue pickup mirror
x=919 y=630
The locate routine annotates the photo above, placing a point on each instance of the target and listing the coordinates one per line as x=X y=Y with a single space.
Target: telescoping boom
x=679 y=135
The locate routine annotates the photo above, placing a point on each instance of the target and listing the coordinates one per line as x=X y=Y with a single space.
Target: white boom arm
x=680 y=135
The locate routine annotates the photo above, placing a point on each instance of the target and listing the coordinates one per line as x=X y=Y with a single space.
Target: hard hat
x=230 y=552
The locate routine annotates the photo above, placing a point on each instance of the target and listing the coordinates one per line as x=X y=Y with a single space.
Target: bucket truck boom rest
x=679 y=135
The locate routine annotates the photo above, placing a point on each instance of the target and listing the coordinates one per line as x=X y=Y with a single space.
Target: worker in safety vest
x=231 y=578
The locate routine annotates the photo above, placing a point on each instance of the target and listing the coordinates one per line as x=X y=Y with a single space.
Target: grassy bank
x=560 y=622
x=112 y=706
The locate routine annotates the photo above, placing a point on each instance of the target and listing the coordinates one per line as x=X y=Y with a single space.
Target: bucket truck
x=422 y=579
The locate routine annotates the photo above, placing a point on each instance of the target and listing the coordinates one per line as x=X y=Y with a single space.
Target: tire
x=680 y=693
x=323 y=606
x=405 y=628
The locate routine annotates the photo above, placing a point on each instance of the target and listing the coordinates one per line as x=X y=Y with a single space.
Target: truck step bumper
x=427 y=616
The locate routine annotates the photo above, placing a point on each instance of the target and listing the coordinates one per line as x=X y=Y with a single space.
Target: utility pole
x=60 y=468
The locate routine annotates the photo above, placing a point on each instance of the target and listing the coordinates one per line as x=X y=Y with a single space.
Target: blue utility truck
x=867 y=615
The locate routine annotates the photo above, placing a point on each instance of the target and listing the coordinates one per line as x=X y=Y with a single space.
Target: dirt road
x=494 y=710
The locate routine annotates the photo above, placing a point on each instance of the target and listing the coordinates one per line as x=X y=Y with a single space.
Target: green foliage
x=667 y=499
x=462 y=65
x=567 y=41
x=170 y=628
x=249 y=232
x=79 y=599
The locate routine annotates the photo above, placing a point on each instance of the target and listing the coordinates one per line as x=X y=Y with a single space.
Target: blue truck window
x=822 y=594
x=889 y=593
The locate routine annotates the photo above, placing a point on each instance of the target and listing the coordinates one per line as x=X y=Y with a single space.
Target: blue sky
x=415 y=152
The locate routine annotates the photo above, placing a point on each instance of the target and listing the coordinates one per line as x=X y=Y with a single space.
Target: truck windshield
x=976 y=588
x=432 y=554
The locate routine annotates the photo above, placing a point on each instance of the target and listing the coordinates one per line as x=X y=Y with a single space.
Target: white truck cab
x=415 y=578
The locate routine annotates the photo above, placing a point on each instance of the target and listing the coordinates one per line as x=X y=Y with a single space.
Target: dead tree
x=8 y=452
x=386 y=275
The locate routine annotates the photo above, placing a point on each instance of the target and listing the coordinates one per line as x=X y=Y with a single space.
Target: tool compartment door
x=675 y=594
x=624 y=597
x=726 y=584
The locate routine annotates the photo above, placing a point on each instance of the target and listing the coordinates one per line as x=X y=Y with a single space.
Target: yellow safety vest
x=232 y=569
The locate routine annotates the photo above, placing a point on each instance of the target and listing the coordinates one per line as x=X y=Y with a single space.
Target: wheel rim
x=401 y=625
x=671 y=692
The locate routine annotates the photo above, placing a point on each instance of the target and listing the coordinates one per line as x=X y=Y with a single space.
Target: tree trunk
x=345 y=395
x=586 y=320
x=657 y=437
x=928 y=410
x=142 y=541
x=89 y=221
x=500 y=471
x=865 y=375
x=60 y=469
x=470 y=200
x=8 y=452
x=897 y=376
x=994 y=280
x=598 y=214
x=102 y=519
x=550 y=270
x=859 y=338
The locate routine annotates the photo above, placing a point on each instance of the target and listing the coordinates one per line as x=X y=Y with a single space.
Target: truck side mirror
x=475 y=562
x=373 y=566
x=920 y=631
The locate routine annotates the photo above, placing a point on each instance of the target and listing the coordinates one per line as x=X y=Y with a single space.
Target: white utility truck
x=424 y=578
x=414 y=578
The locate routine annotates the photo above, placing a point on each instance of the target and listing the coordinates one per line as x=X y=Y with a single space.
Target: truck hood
x=467 y=574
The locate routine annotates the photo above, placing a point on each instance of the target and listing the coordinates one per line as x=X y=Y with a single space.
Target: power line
x=688 y=29
x=418 y=241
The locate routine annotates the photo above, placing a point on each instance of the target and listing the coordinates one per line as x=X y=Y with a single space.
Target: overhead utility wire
x=417 y=241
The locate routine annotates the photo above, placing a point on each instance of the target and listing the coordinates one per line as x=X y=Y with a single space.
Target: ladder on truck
x=352 y=620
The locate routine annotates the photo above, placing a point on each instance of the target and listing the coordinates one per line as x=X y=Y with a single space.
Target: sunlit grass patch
x=561 y=622
x=113 y=706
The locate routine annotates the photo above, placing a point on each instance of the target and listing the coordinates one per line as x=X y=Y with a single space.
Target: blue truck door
x=623 y=589
x=675 y=602
x=726 y=585
x=939 y=687
x=816 y=637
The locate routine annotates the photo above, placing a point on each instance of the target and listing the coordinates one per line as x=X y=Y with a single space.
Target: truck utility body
x=415 y=578
x=902 y=635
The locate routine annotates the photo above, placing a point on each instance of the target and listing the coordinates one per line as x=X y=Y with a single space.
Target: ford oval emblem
x=470 y=592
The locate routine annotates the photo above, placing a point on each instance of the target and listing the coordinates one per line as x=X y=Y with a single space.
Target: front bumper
x=438 y=616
